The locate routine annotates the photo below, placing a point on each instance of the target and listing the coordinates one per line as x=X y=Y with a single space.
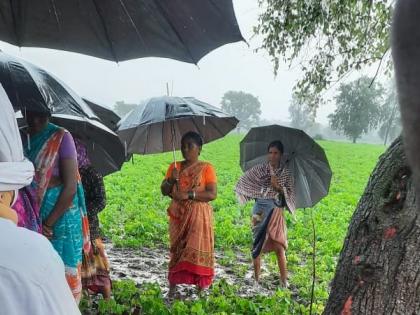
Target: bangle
x=191 y=195
x=47 y=225
x=168 y=183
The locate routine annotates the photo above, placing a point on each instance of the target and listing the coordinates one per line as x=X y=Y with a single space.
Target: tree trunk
x=354 y=140
x=379 y=267
x=390 y=123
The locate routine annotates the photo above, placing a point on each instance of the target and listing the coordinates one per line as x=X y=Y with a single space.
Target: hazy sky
x=231 y=67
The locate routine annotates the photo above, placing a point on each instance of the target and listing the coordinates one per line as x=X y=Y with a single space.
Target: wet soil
x=151 y=265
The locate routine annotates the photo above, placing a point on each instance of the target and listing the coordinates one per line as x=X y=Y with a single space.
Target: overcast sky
x=231 y=67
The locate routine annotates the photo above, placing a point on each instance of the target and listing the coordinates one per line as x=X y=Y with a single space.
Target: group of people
x=31 y=271
x=66 y=194
x=63 y=201
x=192 y=184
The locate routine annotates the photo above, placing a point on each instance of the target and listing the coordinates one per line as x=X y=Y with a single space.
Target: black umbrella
x=107 y=116
x=303 y=156
x=120 y=30
x=104 y=148
x=33 y=89
x=158 y=124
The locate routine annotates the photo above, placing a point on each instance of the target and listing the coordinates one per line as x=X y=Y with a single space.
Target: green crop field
x=136 y=217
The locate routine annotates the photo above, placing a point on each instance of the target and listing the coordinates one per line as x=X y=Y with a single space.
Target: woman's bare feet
x=200 y=291
x=172 y=291
x=284 y=284
x=257 y=268
x=106 y=292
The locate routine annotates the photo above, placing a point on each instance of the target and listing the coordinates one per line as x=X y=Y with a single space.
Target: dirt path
x=151 y=265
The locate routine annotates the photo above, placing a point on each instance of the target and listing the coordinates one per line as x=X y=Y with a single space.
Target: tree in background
x=358 y=108
x=378 y=269
x=244 y=106
x=391 y=120
x=355 y=31
x=122 y=108
x=301 y=115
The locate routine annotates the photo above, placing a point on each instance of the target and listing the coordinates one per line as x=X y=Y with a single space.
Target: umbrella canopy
x=107 y=116
x=304 y=157
x=104 y=148
x=185 y=30
x=33 y=89
x=157 y=125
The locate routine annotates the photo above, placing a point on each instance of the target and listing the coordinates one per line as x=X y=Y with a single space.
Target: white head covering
x=15 y=170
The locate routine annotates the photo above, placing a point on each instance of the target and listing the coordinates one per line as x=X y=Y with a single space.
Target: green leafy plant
x=136 y=217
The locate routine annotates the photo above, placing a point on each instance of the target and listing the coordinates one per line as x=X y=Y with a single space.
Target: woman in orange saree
x=191 y=184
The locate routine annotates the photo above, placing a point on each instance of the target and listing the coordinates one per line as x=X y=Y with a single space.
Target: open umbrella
x=158 y=124
x=33 y=89
x=304 y=157
x=104 y=148
x=185 y=30
x=107 y=116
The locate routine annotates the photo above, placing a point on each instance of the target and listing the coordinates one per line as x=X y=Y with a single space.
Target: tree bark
x=406 y=51
x=390 y=123
x=379 y=267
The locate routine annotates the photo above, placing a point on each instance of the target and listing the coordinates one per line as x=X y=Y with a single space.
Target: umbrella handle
x=28 y=141
x=173 y=150
x=173 y=141
x=173 y=154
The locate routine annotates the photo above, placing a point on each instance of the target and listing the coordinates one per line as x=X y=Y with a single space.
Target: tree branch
x=379 y=67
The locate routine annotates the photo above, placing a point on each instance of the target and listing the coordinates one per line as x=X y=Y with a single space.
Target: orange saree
x=191 y=229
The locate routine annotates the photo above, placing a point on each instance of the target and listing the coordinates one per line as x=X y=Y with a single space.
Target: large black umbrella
x=158 y=124
x=120 y=30
x=33 y=89
x=303 y=156
x=107 y=116
x=104 y=148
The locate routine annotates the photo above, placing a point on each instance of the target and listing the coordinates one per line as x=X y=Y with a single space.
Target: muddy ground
x=151 y=265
